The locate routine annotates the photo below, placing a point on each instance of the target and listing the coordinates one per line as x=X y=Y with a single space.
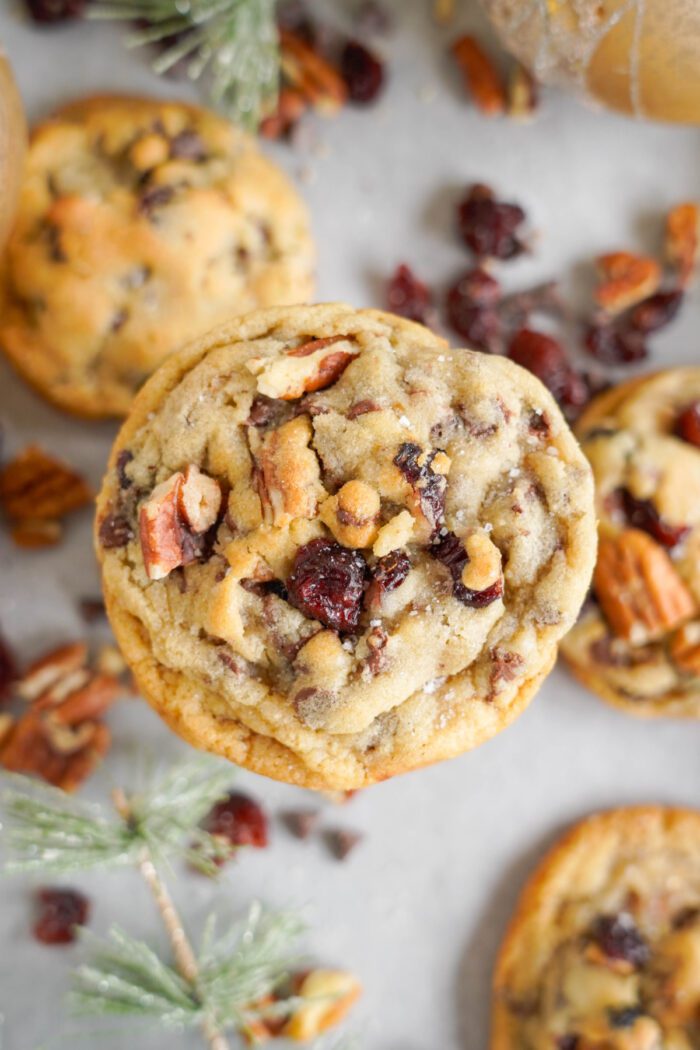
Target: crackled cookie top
x=141 y=224
x=357 y=547
x=603 y=952
x=638 y=642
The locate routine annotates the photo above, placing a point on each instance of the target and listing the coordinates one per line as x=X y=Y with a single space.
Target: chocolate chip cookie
x=334 y=549
x=638 y=642
x=141 y=225
x=603 y=952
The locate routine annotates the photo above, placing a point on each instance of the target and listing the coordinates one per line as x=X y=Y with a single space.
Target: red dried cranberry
x=618 y=937
x=327 y=584
x=429 y=486
x=407 y=296
x=449 y=550
x=239 y=819
x=545 y=358
x=615 y=344
x=471 y=309
x=642 y=514
x=390 y=571
x=488 y=226
x=688 y=424
x=362 y=72
x=8 y=669
x=655 y=312
x=55 y=10
x=60 y=912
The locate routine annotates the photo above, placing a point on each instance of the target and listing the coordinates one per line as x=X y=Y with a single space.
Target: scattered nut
x=317 y=81
x=291 y=105
x=328 y=996
x=481 y=76
x=33 y=533
x=522 y=93
x=640 y=592
x=37 y=490
x=682 y=233
x=47 y=671
x=626 y=279
x=685 y=648
x=352 y=514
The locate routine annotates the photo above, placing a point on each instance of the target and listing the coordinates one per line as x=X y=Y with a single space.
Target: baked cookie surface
x=603 y=951
x=141 y=224
x=638 y=644
x=333 y=549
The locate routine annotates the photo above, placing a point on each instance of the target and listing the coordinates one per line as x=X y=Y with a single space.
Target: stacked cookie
x=334 y=549
x=141 y=224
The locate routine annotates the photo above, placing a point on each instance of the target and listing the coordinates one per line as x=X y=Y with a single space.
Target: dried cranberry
x=390 y=571
x=642 y=514
x=59 y=913
x=471 y=309
x=407 y=296
x=545 y=358
x=429 y=487
x=618 y=937
x=655 y=312
x=327 y=584
x=8 y=669
x=489 y=226
x=55 y=10
x=239 y=819
x=449 y=550
x=688 y=424
x=362 y=72
x=615 y=344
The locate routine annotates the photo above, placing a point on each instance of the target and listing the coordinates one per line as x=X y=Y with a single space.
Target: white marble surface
x=419 y=908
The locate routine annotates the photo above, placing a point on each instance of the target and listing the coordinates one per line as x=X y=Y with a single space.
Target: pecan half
x=36 y=490
x=685 y=648
x=626 y=279
x=682 y=239
x=639 y=590
x=324 y=998
x=303 y=370
x=481 y=76
x=311 y=75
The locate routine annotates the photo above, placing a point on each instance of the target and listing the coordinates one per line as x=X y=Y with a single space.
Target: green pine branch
x=218 y=988
x=231 y=44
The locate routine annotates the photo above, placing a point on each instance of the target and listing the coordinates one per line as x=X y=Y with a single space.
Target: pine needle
x=232 y=43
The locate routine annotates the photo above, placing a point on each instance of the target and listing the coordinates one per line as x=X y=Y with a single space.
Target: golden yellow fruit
x=638 y=56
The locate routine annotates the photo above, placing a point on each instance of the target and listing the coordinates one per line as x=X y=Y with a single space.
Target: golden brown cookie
x=637 y=643
x=334 y=549
x=603 y=952
x=141 y=225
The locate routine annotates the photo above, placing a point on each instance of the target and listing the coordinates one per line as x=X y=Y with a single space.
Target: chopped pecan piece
x=685 y=648
x=178 y=511
x=325 y=998
x=626 y=279
x=481 y=76
x=311 y=75
x=639 y=590
x=522 y=93
x=313 y=366
x=46 y=672
x=291 y=105
x=352 y=514
x=36 y=490
x=682 y=235
x=288 y=472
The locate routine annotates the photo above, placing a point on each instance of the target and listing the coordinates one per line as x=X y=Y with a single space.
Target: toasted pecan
x=311 y=74
x=682 y=238
x=481 y=76
x=37 y=487
x=639 y=589
x=626 y=279
x=685 y=648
